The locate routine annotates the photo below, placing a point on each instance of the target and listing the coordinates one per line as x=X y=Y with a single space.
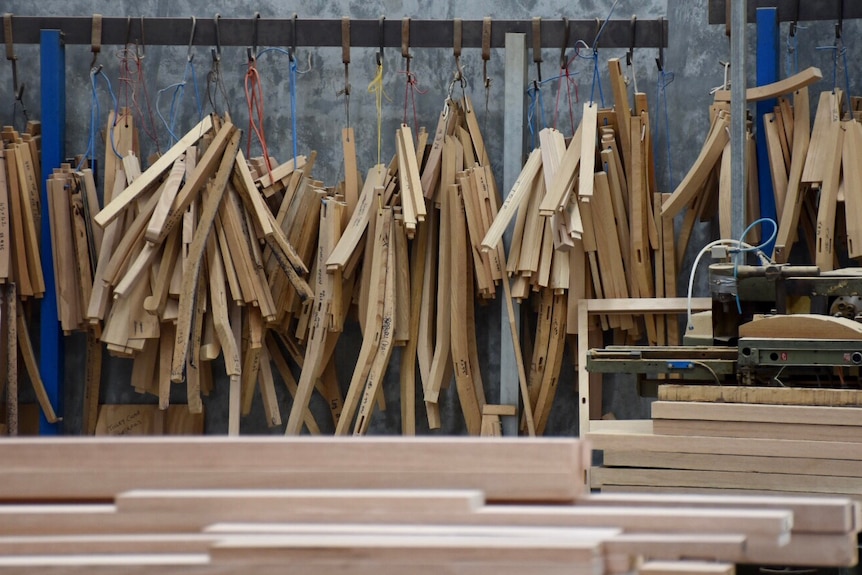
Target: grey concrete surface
x=693 y=56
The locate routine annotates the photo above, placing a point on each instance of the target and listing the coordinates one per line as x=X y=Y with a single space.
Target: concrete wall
x=693 y=56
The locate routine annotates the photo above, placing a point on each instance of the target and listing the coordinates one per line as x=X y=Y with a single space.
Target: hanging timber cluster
x=823 y=202
x=443 y=197
x=204 y=254
x=795 y=167
x=21 y=277
x=588 y=226
x=177 y=267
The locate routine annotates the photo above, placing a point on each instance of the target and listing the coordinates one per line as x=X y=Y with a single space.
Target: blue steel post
x=53 y=75
x=767 y=73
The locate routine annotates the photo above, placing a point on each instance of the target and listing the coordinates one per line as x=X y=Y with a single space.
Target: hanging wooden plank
x=119 y=201
x=516 y=196
x=817 y=159
x=204 y=169
x=20 y=265
x=777 y=166
x=622 y=108
x=196 y=250
x=853 y=187
x=358 y=220
x=788 y=85
x=10 y=327
x=377 y=266
x=697 y=175
x=464 y=378
x=373 y=385
x=725 y=199
x=827 y=206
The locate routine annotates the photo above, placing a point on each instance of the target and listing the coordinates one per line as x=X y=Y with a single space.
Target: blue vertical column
x=53 y=76
x=767 y=73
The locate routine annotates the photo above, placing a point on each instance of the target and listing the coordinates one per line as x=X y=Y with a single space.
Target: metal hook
x=630 y=54
x=595 y=44
x=564 y=59
x=457 y=36
x=486 y=50
x=659 y=62
x=537 y=45
x=345 y=53
x=216 y=52
x=95 y=39
x=291 y=52
x=190 y=55
x=10 y=49
x=405 y=43
x=795 y=21
x=143 y=46
x=254 y=33
x=128 y=31
x=379 y=55
x=252 y=52
x=839 y=26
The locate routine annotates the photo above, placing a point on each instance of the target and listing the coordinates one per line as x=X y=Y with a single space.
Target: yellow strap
x=376 y=87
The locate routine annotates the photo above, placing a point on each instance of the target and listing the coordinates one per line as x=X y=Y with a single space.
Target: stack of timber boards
x=379 y=505
x=734 y=448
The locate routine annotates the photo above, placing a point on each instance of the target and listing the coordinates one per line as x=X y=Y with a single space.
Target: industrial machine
x=770 y=325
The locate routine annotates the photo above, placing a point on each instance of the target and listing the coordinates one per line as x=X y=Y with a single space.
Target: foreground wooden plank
x=810 y=514
x=743 y=463
x=753 y=429
x=685 y=568
x=761 y=395
x=824 y=484
x=199 y=564
x=644 y=440
x=804 y=415
x=299 y=502
x=506 y=469
x=408 y=549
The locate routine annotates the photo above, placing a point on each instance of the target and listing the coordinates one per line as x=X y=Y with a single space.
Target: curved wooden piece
x=699 y=172
x=786 y=86
x=803 y=326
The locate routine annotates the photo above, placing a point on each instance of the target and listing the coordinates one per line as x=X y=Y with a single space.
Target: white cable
x=731 y=243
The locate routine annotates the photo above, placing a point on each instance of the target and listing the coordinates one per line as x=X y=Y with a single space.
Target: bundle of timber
x=177 y=267
x=587 y=220
x=378 y=505
x=21 y=277
x=421 y=297
x=764 y=447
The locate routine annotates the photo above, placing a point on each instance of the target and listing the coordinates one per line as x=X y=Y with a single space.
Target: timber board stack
x=736 y=441
x=377 y=505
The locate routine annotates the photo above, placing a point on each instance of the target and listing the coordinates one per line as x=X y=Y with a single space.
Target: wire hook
x=128 y=31
x=291 y=52
x=142 y=52
x=839 y=26
x=379 y=55
x=537 y=46
x=486 y=50
x=564 y=59
x=631 y=53
x=216 y=52
x=190 y=54
x=252 y=52
x=659 y=62
x=96 y=39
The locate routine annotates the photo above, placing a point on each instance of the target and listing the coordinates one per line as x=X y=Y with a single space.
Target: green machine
x=714 y=354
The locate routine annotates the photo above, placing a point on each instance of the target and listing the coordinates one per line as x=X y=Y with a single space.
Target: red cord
x=254 y=98
x=411 y=87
